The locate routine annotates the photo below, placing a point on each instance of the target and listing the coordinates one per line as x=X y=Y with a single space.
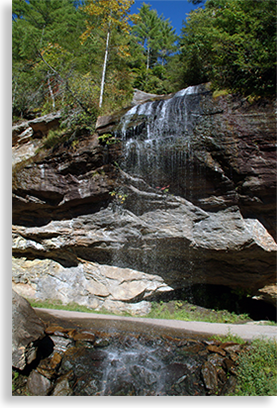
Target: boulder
x=27 y=331
x=38 y=385
x=141 y=97
x=268 y=294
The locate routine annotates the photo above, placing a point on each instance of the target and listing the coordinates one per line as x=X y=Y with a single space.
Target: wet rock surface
x=114 y=363
x=201 y=209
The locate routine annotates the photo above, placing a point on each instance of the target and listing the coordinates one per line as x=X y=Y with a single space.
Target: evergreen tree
x=37 y=23
x=167 y=40
x=147 y=30
x=44 y=36
x=157 y=40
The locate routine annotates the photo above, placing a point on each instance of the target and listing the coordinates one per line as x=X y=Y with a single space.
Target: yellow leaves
x=119 y=197
x=114 y=13
x=123 y=51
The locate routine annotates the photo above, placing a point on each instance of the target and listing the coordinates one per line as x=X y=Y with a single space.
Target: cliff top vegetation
x=67 y=53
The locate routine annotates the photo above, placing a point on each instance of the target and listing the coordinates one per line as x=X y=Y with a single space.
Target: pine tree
x=148 y=32
x=157 y=39
x=167 y=40
x=37 y=23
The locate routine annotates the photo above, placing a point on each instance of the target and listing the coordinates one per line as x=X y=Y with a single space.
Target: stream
x=96 y=358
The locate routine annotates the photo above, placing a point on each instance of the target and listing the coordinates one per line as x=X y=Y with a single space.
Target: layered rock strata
x=88 y=230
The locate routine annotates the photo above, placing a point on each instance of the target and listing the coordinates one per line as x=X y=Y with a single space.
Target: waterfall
x=157 y=139
x=158 y=158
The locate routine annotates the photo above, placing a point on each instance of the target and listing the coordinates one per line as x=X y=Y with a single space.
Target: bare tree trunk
x=148 y=57
x=104 y=68
x=51 y=92
x=14 y=95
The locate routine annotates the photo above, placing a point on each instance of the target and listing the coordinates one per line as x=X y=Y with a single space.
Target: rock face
x=90 y=284
x=27 y=330
x=181 y=190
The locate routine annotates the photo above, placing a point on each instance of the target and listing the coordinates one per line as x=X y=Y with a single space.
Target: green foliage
x=156 y=43
x=53 y=138
x=182 y=310
x=108 y=139
x=119 y=197
x=257 y=369
x=59 y=47
x=53 y=70
x=232 y=44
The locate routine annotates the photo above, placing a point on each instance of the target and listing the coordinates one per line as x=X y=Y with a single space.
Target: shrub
x=257 y=370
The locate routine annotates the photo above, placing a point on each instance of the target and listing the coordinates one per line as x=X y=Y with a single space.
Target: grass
x=217 y=311
x=56 y=304
x=176 y=310
x=229 y=337
x=182 y=310
x=257 y=369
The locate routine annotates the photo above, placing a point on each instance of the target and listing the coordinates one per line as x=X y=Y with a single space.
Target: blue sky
x=174 y=10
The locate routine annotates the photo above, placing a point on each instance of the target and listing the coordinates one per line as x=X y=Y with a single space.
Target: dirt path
x=247 y=331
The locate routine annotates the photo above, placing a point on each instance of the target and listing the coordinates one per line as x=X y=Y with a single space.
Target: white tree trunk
x=51 y=92
x=148 y=57
x=104 y=68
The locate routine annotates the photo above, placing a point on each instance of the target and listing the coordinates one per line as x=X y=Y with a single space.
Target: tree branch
x=64 y=81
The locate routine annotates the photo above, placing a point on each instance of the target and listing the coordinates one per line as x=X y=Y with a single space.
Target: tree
x=44 y=36
x=39 y=22
x=157 y=40
x=109 y=15
x=232 y=44
x=167 y=40
x=147 y=30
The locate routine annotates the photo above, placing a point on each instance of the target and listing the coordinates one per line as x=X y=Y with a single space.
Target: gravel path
x=247 y=331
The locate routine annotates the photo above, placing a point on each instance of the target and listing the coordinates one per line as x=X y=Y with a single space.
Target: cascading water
x=157 y=150
x=157 y=137
x=137 y=367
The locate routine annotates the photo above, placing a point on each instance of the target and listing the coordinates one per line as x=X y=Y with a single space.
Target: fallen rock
x=27 y=331
x=38 y=385
x=48 y=367
x=268 y=293
x=141 y=97
x=84 y=336
x=62 y=388
x=209 y=376
x=215 y=349
x=90 y=284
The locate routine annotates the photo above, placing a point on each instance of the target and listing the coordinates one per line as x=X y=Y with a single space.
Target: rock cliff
x=89 y=227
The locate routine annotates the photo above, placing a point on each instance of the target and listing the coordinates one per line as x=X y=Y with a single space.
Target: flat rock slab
x=247 y=331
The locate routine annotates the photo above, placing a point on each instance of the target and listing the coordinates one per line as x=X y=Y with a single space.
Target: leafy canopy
x=233 y=44
x=109 y=14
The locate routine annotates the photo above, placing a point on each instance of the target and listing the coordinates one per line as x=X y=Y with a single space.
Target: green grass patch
x=57 y=304
x=182 y=310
